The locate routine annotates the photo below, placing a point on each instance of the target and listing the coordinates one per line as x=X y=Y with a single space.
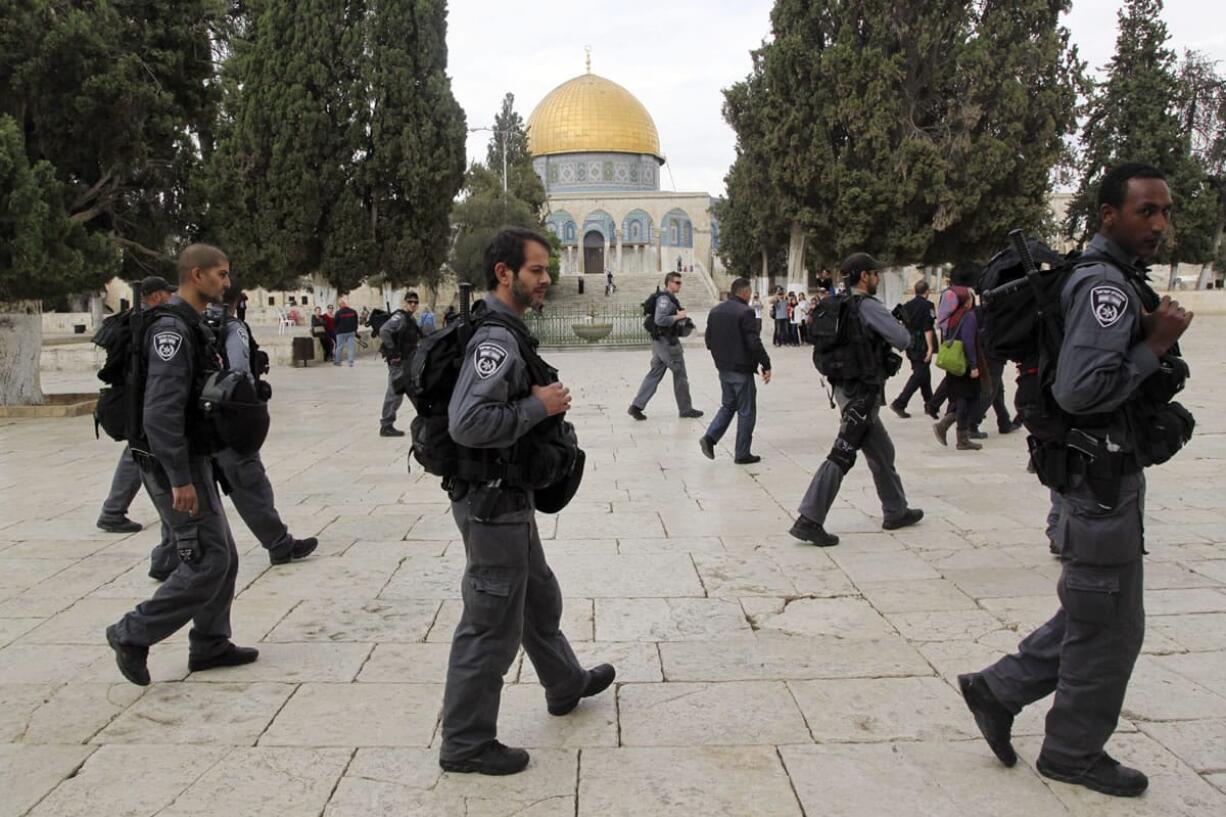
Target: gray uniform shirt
x=881 y=322
x=391 y=328
x=666 y=313
x=1104 y=357
x=170 y=358
x=492 y=405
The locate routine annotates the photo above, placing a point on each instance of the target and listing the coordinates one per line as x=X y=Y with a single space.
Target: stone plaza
x=756 y=675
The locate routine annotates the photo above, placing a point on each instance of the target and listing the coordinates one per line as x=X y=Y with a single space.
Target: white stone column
x=618 y=266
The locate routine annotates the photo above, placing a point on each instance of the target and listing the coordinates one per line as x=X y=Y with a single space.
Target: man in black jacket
x=736 y=346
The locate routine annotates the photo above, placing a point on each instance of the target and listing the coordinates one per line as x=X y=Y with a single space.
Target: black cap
x=154 y=283
x=858 y=262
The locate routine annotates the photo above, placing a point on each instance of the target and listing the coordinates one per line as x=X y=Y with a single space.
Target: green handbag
x=952 y=357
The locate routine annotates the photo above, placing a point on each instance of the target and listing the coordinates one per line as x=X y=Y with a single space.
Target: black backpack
x=827 y=331
x=649 y=314
x=376 y=319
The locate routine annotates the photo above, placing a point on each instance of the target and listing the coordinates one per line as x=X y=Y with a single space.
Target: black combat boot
x=1103 y=774
x=994 y=721
x=232 y=656
x=298 y=549
x=708 y=447
x=495 y=759
x=900 y=411
x=690 y=414
x=636 y=413
x=807 y=530
x=131 y=659
x=598 y=680
x=390 y=431
x=120 y=524
x=904 y=520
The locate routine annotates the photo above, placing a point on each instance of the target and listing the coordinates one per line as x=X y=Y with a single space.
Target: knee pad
x=857 y=420
x=842 y=454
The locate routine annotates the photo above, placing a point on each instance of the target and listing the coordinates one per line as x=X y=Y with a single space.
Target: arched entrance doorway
x=593 y=253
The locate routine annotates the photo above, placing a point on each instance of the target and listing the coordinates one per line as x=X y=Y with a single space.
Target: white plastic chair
x=284 y=321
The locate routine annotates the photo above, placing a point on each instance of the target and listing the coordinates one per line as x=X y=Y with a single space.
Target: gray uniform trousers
x=124 y=487
x=391 y=400
x=665 y=356
x=878 y=449
x=1086 y=652
x=201 y=591
x=252 y=495
x=510 y=596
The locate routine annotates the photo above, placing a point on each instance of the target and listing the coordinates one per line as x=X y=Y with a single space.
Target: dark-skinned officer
x=1085 y=654
x=178 y=474
x=510 y=594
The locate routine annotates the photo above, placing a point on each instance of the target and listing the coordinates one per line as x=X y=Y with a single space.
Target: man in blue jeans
x=736 y=346
x=346 y=332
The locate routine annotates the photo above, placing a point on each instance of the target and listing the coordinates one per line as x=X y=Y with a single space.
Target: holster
x=1086 y=456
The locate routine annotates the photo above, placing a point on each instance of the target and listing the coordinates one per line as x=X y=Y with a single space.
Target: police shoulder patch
x=242 y=334
x=167 y=345
x=488 y=359
x=1108 y=304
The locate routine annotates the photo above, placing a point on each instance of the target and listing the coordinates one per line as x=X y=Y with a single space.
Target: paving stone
x=932 y=595
x=626 y=575
x=848 y=618
x=1200 y=744
x=48 y=663
x=669 y=619
x=986 y=583
x=953 y=625
x=219 y=714
x=398 y=663
x=1201 y=632
x=377 y=620
x=735 y=576
x=264 y=782
x=426 y=577
x=929 y=778
x=79 y=623
x=381 y=781
x=28 y=773
x=742 y=713
x=104 y=787
x=872 y=710
x=1173 y=602
x=357 y=715
x=786 y=658
x=617 y=525
x=325 y=578
x=12 y=629
x=72 y=713
x=1208 y=669
x=524 y=721
x=884 y=567
x=681 y=782
x=1158 y=694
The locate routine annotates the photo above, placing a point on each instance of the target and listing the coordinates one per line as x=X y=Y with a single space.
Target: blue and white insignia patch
x=242 y=335
x=488 y=359
x=1108 y=304
x=167 y=344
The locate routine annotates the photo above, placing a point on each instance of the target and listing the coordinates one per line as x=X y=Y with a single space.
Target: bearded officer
x=1085 y=654
x=510 y=594
x=244 y=476
x=178 y=474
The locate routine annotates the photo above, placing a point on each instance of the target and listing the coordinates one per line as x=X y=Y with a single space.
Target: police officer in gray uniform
x=510 y=594
x=243 y=474
x=154 y=291
x=398 y=338
x=860 y=429
x=178 y=475
x=666 y=353
x=1086 y=652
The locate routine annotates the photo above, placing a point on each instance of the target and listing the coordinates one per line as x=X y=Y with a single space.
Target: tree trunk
x=21 y=345
x=1170 y=281
x=1205 y=279
x=766 y=267
x=796 y=255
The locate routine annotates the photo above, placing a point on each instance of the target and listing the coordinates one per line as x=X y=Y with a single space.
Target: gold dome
x=590 y=114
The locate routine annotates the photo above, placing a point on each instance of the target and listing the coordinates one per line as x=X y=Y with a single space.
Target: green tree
x=753 y=231
x=1133 y=115
x=1202 y=112
x=283 y=190
x=484 y=211
x=509 y=129
x=415 y=158
x=103 y=104
x=1016 y=101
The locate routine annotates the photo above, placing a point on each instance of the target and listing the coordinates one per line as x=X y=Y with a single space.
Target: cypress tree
x=414 y=165
x=1133 y=116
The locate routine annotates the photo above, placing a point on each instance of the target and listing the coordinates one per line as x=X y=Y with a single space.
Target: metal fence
x=553 y=329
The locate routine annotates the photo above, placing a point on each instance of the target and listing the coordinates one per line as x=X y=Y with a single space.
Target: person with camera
x=670 y=324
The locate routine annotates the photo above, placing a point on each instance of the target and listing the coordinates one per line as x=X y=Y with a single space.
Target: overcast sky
x=676 y=57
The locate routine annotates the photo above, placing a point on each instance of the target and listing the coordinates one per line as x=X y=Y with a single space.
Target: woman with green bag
x=961 y=335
